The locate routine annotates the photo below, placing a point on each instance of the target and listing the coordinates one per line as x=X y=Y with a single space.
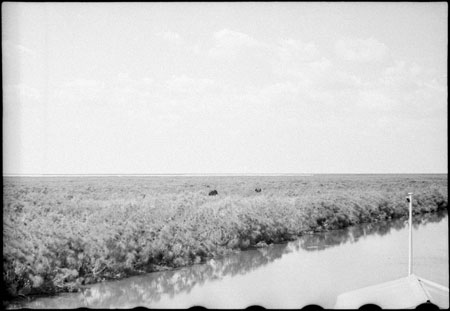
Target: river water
x=311 y=270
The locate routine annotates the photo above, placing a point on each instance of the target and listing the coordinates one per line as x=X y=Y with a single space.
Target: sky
x=272 y=87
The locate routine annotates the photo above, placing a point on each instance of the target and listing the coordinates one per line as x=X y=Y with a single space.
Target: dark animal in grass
x=258 y=189
x=214 y=192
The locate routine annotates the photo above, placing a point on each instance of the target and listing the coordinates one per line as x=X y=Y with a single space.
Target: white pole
x=410 y=235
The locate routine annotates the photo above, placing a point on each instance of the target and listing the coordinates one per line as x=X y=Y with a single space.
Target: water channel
x=311 y=270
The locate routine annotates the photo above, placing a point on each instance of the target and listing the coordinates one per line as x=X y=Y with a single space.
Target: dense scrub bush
x=63 y=233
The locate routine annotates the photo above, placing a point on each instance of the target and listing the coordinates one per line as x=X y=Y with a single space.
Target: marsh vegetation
x=62 y=233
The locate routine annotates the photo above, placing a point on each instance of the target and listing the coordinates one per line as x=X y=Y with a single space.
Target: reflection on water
x=148 y=289
x=321 y=241
x=143 y=290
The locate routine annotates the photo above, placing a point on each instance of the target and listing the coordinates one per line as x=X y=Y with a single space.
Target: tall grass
x=62 y=233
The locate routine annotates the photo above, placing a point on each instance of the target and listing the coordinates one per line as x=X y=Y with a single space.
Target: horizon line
x=213 y=174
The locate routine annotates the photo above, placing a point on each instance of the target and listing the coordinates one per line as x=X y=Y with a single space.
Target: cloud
x=302 y=60
x=126 y=98
x=320 y=66
x=419 y=90
x=289 y=49
x=361 y=50
x=403 y=89
x=375 y=100
x=171 y=36
x=185 y=84
x=274 y=97
x=403 y=75
x=228 y=43
x=78 y=90
x=318 y=75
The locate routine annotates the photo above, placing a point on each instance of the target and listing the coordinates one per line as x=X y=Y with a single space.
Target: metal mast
x=409 y=199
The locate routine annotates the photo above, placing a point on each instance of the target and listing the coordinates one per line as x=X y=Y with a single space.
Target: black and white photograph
x=225 y=155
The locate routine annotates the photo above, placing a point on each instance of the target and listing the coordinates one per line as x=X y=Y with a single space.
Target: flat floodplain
x=63 y=232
